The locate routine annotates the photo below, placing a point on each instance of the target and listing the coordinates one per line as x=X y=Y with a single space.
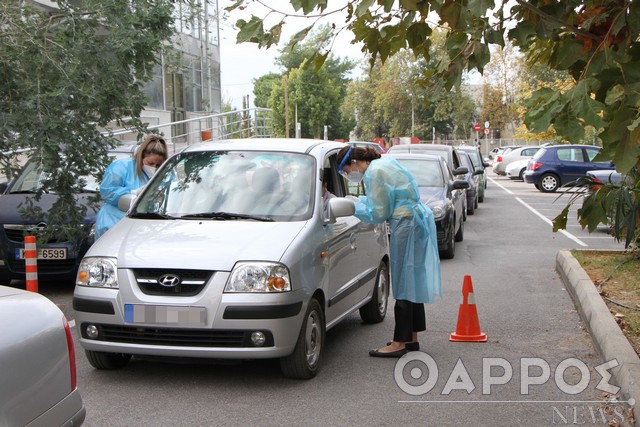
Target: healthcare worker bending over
x=126 y=175
x=392 y=194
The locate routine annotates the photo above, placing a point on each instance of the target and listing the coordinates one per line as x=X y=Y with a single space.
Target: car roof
x=418 y=147
x=405 y=155
x=297 y=145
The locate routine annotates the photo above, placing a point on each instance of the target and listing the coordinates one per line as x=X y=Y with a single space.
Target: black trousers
x=409 y=318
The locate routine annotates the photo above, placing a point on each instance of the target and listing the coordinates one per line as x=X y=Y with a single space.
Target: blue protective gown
x=392 y=194
x=119 y=178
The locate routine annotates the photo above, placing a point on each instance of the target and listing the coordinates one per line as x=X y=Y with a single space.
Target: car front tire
x=304 y=362
x=548 y=183
x=375 y=310
x=460 y=234
x=107 y=361
x=450 y=250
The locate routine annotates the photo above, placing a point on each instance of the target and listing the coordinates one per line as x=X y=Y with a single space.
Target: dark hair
x=357 y=153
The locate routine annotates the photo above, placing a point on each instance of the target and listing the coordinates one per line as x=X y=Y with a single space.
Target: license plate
x=45 y=253
x=165 y=314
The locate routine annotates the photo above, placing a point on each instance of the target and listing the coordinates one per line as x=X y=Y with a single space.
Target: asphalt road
x=509 y=250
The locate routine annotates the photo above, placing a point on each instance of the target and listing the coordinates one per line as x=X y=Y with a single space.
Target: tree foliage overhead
x=594 y=41
x=63 y=75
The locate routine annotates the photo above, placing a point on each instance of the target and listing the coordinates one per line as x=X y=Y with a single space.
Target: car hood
x=195 y=244
x=432 y=195
x=11 y=204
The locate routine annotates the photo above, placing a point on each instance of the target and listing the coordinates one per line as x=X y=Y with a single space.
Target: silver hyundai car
x=237 y=249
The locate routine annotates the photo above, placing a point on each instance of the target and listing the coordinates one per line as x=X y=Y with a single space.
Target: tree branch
x=560 y=23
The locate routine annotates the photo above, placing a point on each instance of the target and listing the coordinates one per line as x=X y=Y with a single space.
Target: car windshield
x=231 y=185
x=426 y=172
x=475 y=157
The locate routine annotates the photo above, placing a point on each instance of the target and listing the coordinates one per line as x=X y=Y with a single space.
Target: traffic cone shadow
x=468 y=328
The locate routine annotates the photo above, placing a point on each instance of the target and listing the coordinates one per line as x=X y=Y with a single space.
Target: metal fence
x=246 y=123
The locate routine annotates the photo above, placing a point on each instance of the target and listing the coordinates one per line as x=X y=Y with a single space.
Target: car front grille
x=192 y=282
x=177 y=337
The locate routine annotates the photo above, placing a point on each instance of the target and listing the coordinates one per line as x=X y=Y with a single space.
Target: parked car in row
x=503 y=160
x=60 y=257
x=258 y=267
x=37 y=363
x=443 y=193
x=478 y=163
x=447 y=152
x=558 y=165
x=472 y=178
x=516 y=169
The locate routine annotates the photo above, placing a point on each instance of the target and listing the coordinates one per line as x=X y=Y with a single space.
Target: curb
x=605 y=332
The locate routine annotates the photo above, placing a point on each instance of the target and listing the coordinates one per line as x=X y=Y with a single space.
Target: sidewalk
x=605 y=332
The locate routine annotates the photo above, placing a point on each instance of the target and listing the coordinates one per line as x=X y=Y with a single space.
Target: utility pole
x=286 y=106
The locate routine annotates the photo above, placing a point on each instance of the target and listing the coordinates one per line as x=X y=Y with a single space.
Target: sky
x=241 y=63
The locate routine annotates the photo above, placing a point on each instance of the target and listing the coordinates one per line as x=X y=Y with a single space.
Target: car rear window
x=540 y=153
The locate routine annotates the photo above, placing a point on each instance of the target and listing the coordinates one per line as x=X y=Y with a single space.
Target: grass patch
x=616 y=275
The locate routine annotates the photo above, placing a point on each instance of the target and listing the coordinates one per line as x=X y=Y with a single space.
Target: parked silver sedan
x=37 y=363
x=240 y=249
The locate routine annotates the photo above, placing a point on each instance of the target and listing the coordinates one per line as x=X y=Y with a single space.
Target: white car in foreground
x=37 y=363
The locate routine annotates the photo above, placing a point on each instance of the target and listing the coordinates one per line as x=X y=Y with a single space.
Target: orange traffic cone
x=468 y=328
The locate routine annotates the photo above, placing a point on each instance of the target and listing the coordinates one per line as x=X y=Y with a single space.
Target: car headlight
x=258 y=277
x=438 y=210
x=97 y=272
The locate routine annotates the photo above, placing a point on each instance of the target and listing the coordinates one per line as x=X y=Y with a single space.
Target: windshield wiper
x=225 y=216
x=150 y=215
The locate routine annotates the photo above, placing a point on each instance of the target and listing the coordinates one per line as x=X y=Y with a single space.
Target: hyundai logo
x=169 y=280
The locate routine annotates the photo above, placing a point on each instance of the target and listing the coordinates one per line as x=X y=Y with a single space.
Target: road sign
x=486 y=125
x=477 y=127
x=486 y=131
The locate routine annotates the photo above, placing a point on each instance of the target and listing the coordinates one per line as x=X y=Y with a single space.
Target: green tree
x=64 y=75
x=316 y=92
x=595 y=42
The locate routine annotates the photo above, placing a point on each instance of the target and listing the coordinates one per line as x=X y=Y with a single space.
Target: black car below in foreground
x=444 y=195
x=59 y=257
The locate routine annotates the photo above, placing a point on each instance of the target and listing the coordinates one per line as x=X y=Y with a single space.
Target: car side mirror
x=460 y=184
x=340 y=206
x=461 y=171
x=125 y=201
x=478 y=172
x=485 y=162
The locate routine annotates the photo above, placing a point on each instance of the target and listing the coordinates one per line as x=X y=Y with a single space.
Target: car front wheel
x=107 y=361
x=304 y=362
x=548 y=183
x=375 y=310
x=450 y=250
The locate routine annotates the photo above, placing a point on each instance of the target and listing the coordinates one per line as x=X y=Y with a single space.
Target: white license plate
x=165 y=314
x=45 y=253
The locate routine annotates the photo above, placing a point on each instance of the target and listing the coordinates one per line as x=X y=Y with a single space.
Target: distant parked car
x=37 y=363
x=229 y=252
x=474 y=183
x=447 y=152
x=503 y=160
x=516 y=169
x=57 y=259
x=478 y=163
x=442 y=193
x=558 y=165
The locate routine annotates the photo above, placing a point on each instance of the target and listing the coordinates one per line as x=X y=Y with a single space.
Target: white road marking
x=544 y=218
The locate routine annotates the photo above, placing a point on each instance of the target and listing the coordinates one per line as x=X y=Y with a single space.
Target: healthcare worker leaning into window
x=392 y=194
x=126 y=175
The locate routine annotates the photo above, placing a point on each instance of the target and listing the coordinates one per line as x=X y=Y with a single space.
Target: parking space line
x=544 y=218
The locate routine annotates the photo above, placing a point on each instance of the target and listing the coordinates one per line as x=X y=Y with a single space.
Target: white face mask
x=149 y=170
x=353 y=176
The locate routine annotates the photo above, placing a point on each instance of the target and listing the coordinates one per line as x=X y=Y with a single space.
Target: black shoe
x=396 y=354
